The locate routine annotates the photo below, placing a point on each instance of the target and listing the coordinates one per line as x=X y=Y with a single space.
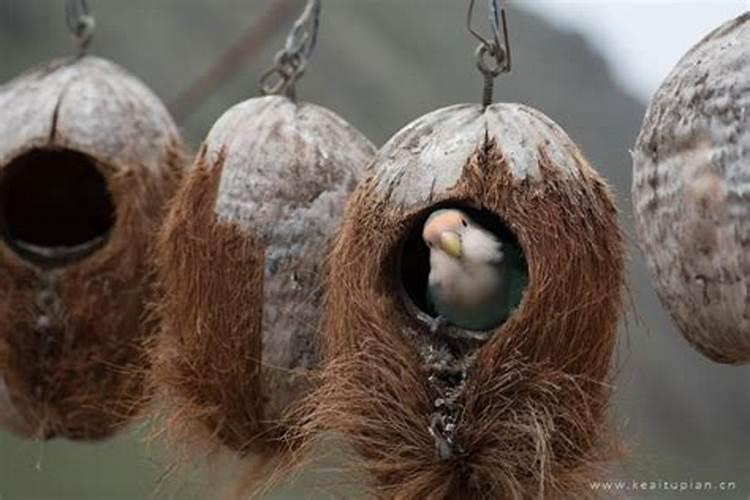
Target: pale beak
x=450 y=243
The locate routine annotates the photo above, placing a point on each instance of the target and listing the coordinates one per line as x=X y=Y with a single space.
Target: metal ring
x=266 y=88
x=498 y=67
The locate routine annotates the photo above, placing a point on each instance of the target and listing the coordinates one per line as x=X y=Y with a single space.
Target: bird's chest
x=465 y=286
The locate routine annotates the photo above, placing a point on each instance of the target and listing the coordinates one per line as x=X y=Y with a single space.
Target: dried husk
x=690 y=193
x=72 y=362
x=532 y=413
x=240 y=260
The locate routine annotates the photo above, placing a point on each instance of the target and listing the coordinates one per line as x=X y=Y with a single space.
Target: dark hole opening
x=55 y=206
x=415 y=255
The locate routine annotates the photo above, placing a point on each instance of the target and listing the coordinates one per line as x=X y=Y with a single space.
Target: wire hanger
x=493 y=56
x=81 y=24
x=290 y=62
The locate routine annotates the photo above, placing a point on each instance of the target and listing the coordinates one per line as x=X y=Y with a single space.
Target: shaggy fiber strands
x=240 y=264
x=88 y=158
x=518 y=412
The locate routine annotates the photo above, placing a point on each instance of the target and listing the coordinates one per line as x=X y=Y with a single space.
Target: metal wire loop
x=81 y=23
x=290 y=63
x=493 y=56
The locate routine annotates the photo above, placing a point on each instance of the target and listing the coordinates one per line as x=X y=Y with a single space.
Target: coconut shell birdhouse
x=88 y=157
x=516 y=410
x=690 y=183
x=241 y=258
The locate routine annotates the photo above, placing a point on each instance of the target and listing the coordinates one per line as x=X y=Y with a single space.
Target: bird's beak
x=450 y=243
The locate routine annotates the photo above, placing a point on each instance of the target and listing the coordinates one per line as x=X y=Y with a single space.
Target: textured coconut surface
x=691 y=193
x=242 y=257
x=287 y=171
x=429 y=155
x=526 y=414
x=89 y=105
x=380 y=65
x=71 y=358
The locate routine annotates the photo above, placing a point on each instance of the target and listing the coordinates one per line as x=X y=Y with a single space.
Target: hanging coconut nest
x=240 y=259
x=518 y=411
x=690 y=187
x=87 y=159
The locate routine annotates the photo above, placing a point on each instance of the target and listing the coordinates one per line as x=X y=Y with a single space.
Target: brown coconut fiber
x=88 y=160
x=199 y=376
x=240 y=270
x=532 y=415
x=85 y=377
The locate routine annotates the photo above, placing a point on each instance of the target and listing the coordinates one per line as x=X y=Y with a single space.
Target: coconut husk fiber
x=690 y=186
x=240 y=260
x=88 y=158
x=527 y=406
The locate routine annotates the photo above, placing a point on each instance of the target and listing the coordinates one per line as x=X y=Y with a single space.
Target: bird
x=475 y=279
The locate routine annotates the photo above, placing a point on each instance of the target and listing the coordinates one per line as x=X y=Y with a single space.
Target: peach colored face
x=443 y=231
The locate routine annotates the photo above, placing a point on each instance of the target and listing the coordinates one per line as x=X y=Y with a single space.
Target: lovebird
x=475 y=279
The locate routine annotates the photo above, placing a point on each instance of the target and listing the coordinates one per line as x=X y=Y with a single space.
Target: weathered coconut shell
x=72 y=315
x=690 y=193
x=530 y=413
x=240 y=264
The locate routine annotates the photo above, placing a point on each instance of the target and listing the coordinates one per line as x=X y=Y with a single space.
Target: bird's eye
x=464 y=223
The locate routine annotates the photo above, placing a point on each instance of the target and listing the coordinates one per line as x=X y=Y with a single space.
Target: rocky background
x=380 y=64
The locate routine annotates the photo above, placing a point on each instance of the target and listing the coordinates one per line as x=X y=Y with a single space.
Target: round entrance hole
x=414 y=262
x=55 y=207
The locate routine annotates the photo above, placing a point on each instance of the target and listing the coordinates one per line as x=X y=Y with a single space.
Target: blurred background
x=591 y=66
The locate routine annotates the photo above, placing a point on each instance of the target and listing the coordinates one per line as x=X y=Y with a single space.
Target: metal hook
x=304 y=34
x=81 y=23
x=290 y=63
x=497 y=49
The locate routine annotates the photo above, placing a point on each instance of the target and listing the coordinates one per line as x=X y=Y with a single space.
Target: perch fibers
x=239 y=266
x=527 y=409
x=690 y=193
x=71 y=360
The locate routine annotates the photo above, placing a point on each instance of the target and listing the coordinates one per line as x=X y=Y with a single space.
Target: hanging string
x=291 y=61
x=81 y=24
x=493 y=56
